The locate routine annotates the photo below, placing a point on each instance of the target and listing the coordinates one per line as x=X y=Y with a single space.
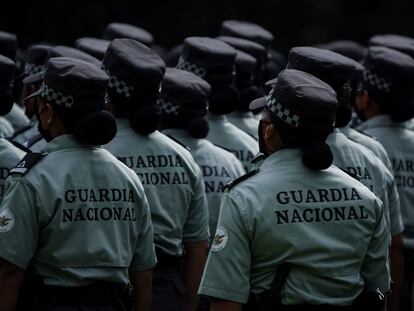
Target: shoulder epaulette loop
x=238 y=180
x=28 y=161
x=179 y=142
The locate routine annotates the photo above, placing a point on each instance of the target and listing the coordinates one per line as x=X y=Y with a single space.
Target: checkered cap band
x=376 y=81
x=50 y=95
x=281 y=112
x=30 y=69
x=167 y=108
x=187 y=66
x=118 y=85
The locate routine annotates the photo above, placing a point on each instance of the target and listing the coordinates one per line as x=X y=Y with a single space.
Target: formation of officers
x=218 y=175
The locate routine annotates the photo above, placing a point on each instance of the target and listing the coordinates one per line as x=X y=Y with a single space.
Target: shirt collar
x=62 y=142
x=281 y=156
x=380 y=120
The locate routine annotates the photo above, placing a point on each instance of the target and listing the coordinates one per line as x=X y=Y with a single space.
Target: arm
x=194 y=260
x=224 y=305
x=142 y=282
x=397 y=272
x=10 y=279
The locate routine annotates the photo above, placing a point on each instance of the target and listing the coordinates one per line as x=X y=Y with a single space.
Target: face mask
x=45 y=133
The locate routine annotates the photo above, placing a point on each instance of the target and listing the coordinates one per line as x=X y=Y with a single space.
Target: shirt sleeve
x=19 y=227
x=227 y=271
x=144 y=256
x=374 y=269
x=196 y=227
x=396 y=223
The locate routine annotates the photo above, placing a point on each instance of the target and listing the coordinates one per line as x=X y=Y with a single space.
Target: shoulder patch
x=178 y=142
x=355 y=176
x=238 y=180
x=28 y=161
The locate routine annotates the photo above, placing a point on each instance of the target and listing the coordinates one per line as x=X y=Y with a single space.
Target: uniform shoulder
x=363 y=134
x=237 y=181
x=27 y=163
x=178 y=142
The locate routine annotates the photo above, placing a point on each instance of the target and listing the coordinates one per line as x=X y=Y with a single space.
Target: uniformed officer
x=127 y=31
x=37 y=56
x=74 y=218
x=93 y=46
x=322 y=233
x=36 y=142
x=9 y=154
x=183 y=110
x=214 y=61
x=172 y=180
x=340 y=72
x=243 y=118
x=385 y=100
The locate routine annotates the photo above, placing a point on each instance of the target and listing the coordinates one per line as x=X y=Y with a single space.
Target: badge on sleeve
x=220 y=240
x=6 y=220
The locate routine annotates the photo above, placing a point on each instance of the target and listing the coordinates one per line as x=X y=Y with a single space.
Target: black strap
x=25 y=164
x=20 y=146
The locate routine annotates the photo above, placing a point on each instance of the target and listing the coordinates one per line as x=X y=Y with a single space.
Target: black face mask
x=262 y=148
x=45 y=133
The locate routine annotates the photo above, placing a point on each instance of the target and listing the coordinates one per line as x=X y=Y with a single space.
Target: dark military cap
x=132 y=67
x=183 y=91
x=93 y=46
x=388 y=73
x=208 y=58
x=7 y=69
x=69 y=83
x=347 y=48
x=126 y=31
x=246 y=30
x=301 y=101
x=333 y=68
x=8 y=44
x=63 y=51
x=252 y=48
x=396 y=42
x=245 y=67
x=37 y=56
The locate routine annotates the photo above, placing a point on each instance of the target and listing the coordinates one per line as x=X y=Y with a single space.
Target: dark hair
x=6 y=101
x=195 y=123
x=247 y=95
x=223 y=99
x=316 y=154
x=140 y=109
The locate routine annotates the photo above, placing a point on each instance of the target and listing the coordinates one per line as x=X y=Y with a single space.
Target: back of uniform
x=9 y=157
x=172 y=182
x=217 y=165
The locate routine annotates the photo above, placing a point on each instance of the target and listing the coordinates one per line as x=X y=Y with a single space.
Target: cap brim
x=258 y=103
x=271 y=82
x=37 y=93
x=33 y=78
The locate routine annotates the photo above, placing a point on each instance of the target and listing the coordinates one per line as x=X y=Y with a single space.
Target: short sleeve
x=144 y=256
x=375 y=270
x=396 y=223
x=196 y=227
x=227 y=271
x=19 y=228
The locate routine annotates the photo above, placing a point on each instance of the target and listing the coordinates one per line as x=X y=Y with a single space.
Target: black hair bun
x=317 y=156
x=224 y=100
x=247 y=95
x=96 y=128
x=6 y=102
x=198 y=127
x=144 y=119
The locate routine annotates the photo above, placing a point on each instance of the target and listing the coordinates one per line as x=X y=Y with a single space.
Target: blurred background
x=293 y=22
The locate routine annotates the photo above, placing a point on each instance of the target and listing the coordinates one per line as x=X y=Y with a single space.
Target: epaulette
x=238 y=180
x=28 y=161
x=20 y=146
x=354 y=176
x=258 y=157
x=178 y=142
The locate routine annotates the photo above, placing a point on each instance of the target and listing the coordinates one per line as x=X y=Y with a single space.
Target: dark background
x=293 y=22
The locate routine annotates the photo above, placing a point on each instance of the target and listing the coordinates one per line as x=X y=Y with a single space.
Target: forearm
x=397 y=273
x=10 y=280
x=224 y=305
x=193 y=266
x=142 y=282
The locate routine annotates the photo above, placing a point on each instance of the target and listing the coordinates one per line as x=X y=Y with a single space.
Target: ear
x=362 y=100
x=269 y=132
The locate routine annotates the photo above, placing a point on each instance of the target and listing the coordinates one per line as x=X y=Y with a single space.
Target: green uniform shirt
x=217 y=165
x=246 y=122
x=398 y=141
x=78 y=216
x=228 y=136
x=358 y=160
x=17 y=117
x=173 y=185
x=369 y=142
x=326 y=224
x=6 y=129
x=9 y=157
